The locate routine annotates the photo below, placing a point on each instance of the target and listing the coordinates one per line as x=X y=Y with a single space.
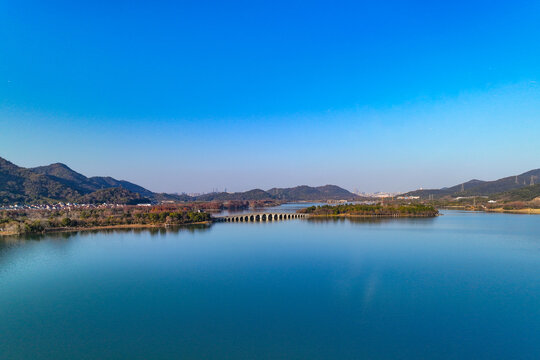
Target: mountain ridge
x=62 y=172
x=297 y=193
x=58 y=182
x=477 y=187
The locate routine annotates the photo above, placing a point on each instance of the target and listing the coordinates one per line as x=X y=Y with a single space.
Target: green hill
x=62 y=173
x=113 y=195
x=20 y=185
x=526 y=193
x=298 y=193
x=482 y=188
x=57 y=182
x=308 y=193
x=256 y=194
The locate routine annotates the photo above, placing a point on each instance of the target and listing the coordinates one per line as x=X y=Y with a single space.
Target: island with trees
x=374 y=210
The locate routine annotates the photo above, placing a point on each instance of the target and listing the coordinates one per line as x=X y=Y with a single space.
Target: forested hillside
x=482 y=188
x=59 y=183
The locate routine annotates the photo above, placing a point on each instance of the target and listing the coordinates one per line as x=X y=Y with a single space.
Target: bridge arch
x=261 y=217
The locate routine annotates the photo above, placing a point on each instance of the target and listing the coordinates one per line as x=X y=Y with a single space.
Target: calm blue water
x=464 y=285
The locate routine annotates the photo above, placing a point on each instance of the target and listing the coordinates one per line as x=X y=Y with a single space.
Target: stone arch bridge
x=253 y=217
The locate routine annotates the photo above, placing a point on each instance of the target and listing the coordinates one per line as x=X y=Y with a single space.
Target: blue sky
x=191 y=96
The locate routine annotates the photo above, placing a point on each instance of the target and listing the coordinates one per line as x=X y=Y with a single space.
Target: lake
x=461 y=286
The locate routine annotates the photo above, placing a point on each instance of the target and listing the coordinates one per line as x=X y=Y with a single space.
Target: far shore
x=525 y=211
x=515 y=211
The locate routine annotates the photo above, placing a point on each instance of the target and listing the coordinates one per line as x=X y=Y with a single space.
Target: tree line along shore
x=67 y=217
x=42 y=221
x=14 y=222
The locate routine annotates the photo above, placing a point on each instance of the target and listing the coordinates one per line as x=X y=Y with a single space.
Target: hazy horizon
x=189 y=97
x=224 y=189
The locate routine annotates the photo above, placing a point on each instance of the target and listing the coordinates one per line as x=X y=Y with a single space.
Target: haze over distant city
x=199 y=96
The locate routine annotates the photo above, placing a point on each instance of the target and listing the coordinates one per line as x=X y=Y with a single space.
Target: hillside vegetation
x=113 y=196
x=23 y=185
x=526 y=193
x=482 y=188
x=298 y=193
x=59 y=183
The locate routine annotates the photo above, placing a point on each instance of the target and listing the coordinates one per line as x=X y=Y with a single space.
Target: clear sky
x=189 y=96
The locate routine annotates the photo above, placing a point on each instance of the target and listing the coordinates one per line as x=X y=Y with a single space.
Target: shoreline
x=524 y=211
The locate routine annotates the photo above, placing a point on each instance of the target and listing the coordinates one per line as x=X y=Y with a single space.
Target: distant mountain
x=62 y=173
x=482 y=188
x=172 y=197
x=21 y=185
x=114 y=196
x=57 y=182
x=307 y=193
x=255 y=194
x=298 y=193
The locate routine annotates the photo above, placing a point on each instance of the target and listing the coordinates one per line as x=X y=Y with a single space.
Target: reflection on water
x=81 y=233
x=369 y=220
x=459 y=286
x=8 y=243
